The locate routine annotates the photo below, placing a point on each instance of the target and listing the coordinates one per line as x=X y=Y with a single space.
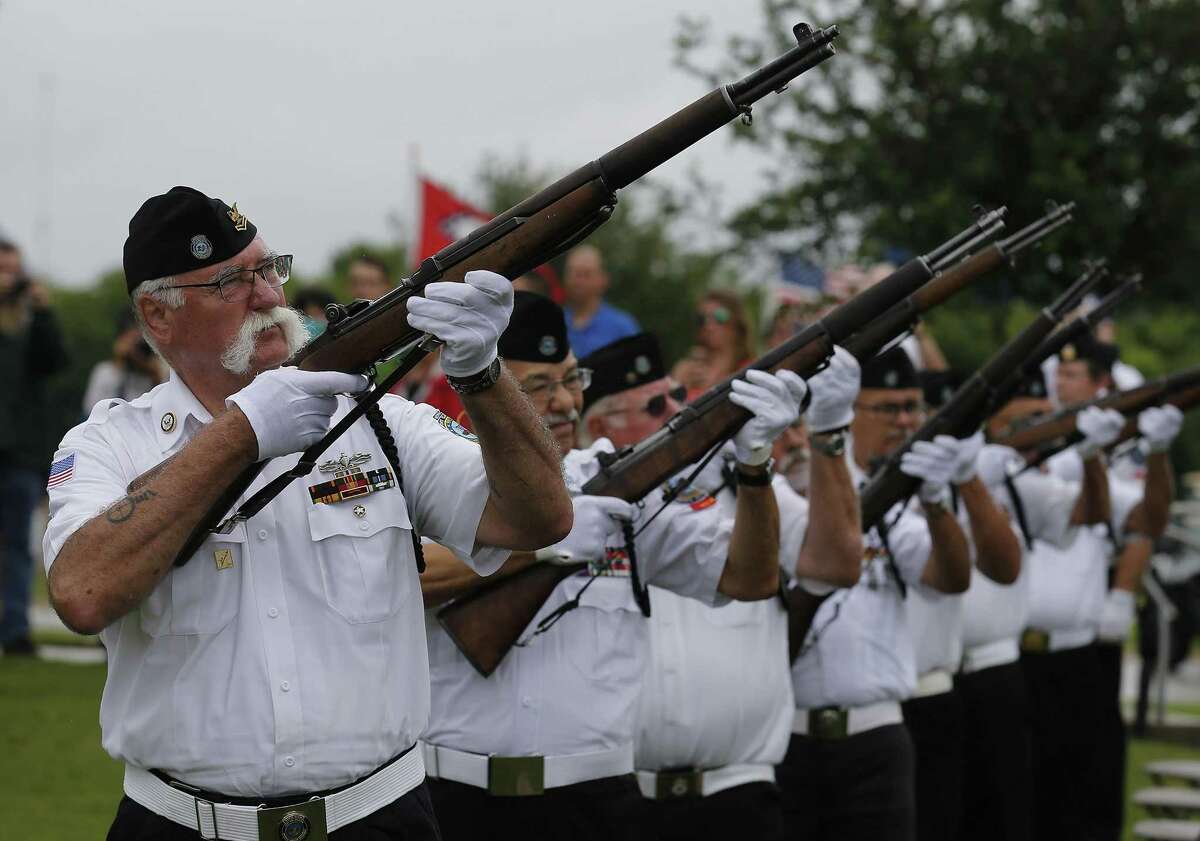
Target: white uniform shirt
x=718 y=692
x=574 y=689
x=1067 y=585
x=288 y=656
x=863 y=650
x=992 y=611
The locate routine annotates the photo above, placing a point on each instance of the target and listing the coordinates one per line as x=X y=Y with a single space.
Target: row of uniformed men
x=906 y=713
x=276 y=684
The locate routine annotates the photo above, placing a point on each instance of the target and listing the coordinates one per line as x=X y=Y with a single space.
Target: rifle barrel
x=1059 y=215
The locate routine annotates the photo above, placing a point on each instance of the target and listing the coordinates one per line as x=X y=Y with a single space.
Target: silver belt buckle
x=297 y=822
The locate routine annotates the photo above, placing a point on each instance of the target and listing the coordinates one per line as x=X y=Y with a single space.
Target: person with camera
x=133 y=369
x=31 y=350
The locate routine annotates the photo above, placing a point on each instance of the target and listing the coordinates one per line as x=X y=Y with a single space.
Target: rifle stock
x=488 y=621
x=509 y=609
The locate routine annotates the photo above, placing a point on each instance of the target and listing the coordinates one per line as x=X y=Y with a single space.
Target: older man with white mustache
x=275 y=683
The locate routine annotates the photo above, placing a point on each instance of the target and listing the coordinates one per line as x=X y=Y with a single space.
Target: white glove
x=712 y=476
x=1159 y=426
x=1116 y=618
x=1100 y=427
x=995 y=462
x=933 y=464
x=833 y=393
x=774 y=400
x=597 y=525
x=289 y=409
x=468 y=317
x=966 y=451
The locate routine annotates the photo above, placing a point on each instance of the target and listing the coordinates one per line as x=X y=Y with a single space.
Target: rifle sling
x=1019 y=510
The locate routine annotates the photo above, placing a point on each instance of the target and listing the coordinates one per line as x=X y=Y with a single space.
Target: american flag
x=61 y=471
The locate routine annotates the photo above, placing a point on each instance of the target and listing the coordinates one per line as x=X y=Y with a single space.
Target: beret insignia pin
x=240 y=222
x=548 y=346
x=202 y=248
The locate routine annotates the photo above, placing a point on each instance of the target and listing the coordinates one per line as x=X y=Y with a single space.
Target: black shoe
x=19 y=647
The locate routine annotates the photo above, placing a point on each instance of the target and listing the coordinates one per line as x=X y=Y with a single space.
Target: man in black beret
x=543 y=746
x=275 y=683
x=1084 y=369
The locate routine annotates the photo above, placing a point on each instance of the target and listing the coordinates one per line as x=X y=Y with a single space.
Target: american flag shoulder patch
x=61 y=471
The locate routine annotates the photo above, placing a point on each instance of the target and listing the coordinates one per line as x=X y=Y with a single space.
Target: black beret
x=890 y=369
x=1033 y=386
x=626 y=363
x=939 y=386
x=1087 y=348
x=182 y=230
x=536 y=332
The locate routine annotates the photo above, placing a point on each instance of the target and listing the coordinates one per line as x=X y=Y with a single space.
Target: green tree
x=930 y=108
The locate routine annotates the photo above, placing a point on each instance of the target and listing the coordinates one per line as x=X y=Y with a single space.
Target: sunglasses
x=719 y=315
x=894 y=410
x=657 y=404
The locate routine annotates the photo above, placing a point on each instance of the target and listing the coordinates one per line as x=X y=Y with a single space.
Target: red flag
x=445 y=218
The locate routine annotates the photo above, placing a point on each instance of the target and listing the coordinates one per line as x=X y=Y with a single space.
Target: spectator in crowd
x=133 y=369
x=31 y=350
x=722 y=343
x=591 y=322
x=370 y=278
x=311 y=303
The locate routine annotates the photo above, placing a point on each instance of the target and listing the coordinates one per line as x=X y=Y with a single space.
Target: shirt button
x=285 y=686
x=273 y=612
x=262 y=534
x=527 y=701
x=363 y=526
x=289 y=761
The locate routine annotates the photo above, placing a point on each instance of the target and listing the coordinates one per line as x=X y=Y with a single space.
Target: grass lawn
x=59 y=784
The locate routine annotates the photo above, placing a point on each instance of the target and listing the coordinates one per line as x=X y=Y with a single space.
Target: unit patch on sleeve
x=451 y=425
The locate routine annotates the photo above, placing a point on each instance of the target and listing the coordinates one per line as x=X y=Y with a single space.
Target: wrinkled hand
x=833 y=393
x=995 y=462
x=1159 y=426
x=966 y=451
x=1116 y=618
x=774 y=400
x=468 y=317
x=1100 y=427
x=597 y=526
x=289 y=409
x=933 y=464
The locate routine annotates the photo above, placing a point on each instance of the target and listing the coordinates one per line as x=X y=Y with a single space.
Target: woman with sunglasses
x=722 y=346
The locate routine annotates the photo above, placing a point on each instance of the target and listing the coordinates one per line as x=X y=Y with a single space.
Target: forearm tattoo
x=123 y=509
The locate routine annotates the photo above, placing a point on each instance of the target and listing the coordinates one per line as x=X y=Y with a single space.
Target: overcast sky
x=305 y=113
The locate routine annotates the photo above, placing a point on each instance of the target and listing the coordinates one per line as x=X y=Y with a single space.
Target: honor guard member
x=558 y=712
x=997 y=760
x=935 y=715
x=716 y=709
x=1085 y=371
x=848 y=772
x=274 y=685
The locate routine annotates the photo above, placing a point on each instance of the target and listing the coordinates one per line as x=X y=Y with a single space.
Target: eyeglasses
x=234 y=284
x=541 y=391
x=657 y=405
x=894 y=410
x=719 y=315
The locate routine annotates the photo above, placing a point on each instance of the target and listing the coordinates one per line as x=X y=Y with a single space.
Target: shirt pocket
x=365 y=552
x=609 y=635
x=203 y=595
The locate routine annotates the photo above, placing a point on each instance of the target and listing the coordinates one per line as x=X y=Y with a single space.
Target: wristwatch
x=832 y=444
x=482 y=381
x=758 y=476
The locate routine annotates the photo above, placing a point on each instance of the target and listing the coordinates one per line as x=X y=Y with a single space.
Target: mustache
x=239 y=355
x=555 y=418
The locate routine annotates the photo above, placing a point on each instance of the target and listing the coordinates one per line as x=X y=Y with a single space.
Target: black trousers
x=1063 y=690
x=409 y=818
x=997 y=754
x=849 y=789
x=611 y=808
x=936 y=725
x=751 y=812
x=1107 y=789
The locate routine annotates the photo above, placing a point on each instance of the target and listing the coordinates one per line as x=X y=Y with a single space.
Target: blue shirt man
x=592 y=323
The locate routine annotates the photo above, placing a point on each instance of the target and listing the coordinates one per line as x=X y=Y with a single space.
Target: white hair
x=163 y=290
x=601 y=407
